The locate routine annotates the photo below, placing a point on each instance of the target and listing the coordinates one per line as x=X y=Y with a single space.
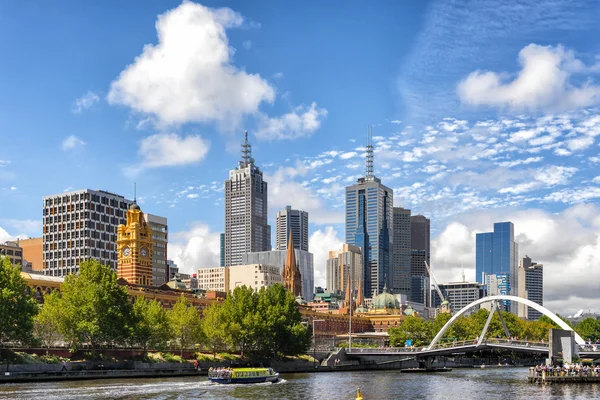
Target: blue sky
x=481 y=111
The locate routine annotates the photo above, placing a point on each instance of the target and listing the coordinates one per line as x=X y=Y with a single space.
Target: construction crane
x=445 y=303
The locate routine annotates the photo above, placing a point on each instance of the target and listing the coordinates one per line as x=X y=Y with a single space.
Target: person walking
x=64 y=366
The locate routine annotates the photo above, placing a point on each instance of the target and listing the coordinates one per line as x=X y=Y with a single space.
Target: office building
x=401 y=259
x=295 y=221
x=499 y=284
x=369 y=219
x=222 y=253
x=340 y=264
x=420 y=290
x=420 y=245
x=135 y=248
x=497 y=253
x=246 y=227
x=173 y=269
x=81 y=225
x=459 y=294
x=160 y=239
x=531 y=286
x=304 y=259
x=255 y=276
x=13 y=252
x=32 y=252
x=212 y=279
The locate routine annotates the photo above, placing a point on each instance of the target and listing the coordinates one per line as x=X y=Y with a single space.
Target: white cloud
x=5 y=236
x=580 y=143
x=169 y=149
x=197 y=247
x=31 y=227
x=396 y=121
x=193 y=196
x=72 y=142
x=13 y=188
x=569 y=241
x=283 y=190
x=247 y=44
x=302 y=121
x=543 y=83
x=188 y=76
x=520 y=162
x=4 y=163
x=347 y=155
x=596 y=179
x=278 y=75
x=84 y=102
x=320 y=243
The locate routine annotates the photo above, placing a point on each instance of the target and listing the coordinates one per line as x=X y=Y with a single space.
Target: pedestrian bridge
x=439 y=348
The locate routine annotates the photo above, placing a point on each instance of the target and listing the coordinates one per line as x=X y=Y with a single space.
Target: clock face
x=126 y=251
x=144 y=252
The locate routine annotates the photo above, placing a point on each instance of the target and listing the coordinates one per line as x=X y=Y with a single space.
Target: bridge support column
x=426 y=363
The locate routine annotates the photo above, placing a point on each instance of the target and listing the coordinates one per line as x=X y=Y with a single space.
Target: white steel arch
x=521 y=300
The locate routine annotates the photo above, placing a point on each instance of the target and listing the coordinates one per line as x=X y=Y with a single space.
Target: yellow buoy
x=359 y=395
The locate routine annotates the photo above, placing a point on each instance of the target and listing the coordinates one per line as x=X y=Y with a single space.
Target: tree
x=96 y=309
x=184 y=321
x=151 y=327
x=214 y=329
x=589 y=329
x=242 y=321
x=47 y=324
x=412 y=328
x=17 y=309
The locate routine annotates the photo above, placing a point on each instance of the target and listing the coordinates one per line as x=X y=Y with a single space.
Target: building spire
x=246 y=152
x=360 y=297
x=369 y=157
x=135 y=192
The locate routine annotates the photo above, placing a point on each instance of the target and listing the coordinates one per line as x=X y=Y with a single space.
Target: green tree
x=283 y=330
x=545 y=318
x=47 y=324
x=589 y=329
x=96 y=309
x=151 y=327
x=536 y=330
x=412 y=328
x=243 y=323
x=216 y=337
x=17 y=309
x=184 y=321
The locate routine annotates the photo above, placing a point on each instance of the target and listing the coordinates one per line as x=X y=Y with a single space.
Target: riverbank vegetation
x=92 y=311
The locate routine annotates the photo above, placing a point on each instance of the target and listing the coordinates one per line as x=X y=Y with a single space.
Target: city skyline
x=447 y=150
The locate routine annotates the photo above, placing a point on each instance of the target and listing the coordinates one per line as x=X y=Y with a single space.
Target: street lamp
x=315 y=341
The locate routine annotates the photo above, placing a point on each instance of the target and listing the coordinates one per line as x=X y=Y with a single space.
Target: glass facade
x=369 y=218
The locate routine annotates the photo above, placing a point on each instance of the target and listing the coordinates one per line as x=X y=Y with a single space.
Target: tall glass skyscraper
x=369 y=219
x=498 y=253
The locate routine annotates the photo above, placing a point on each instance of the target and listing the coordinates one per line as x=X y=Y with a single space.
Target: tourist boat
x=242 y=375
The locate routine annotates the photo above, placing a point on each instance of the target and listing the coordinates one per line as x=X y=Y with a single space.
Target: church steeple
x=292 y=279
x=360 y=297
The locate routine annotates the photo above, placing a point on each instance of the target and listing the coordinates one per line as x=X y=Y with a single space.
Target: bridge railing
x=507 y=342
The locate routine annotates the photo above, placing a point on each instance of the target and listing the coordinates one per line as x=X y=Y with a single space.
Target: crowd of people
x=220 y=372
x=567 y=370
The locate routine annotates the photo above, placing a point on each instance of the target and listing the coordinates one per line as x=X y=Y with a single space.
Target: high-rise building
x=420 y=291
x=278 y=258
x=246 y=227
x=222 y=254
x=531 y=286
x=401 y=260
x=341 y=264
x=499 y=284
x=81 y=225
x=135 y=247
x=297 y=222
x=497 y=253
x=459 y=294
x=160 y=240
x=420 y=245
x=369 y=219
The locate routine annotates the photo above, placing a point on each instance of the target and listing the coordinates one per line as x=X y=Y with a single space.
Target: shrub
x=202 y=357
x=226 y=356
x=172 y=358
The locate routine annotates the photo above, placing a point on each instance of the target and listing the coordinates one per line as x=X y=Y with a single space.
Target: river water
x=463 y=384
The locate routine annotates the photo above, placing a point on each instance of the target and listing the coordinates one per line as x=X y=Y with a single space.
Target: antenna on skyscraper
x=134 y=192
x=246 y=152
x=369 y=157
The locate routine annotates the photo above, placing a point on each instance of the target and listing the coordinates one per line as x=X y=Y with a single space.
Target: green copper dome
x=385 y=300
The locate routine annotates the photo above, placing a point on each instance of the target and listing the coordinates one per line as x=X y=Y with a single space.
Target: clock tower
x=134 y=248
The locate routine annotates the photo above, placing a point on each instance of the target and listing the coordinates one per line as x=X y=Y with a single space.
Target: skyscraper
x=401 y=260
x=80 y=225
x=497 y=253
x=246 y=227
x=342 y=264
x=369 y=218
x=420 y=245
x=295 y=220
x=530 y=286
x=160 y=239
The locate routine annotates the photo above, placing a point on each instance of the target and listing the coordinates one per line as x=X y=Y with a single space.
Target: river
x=463 y=384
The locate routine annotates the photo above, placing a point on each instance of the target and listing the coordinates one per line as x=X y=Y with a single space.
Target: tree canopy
x=16 y=307
x=151 y=327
